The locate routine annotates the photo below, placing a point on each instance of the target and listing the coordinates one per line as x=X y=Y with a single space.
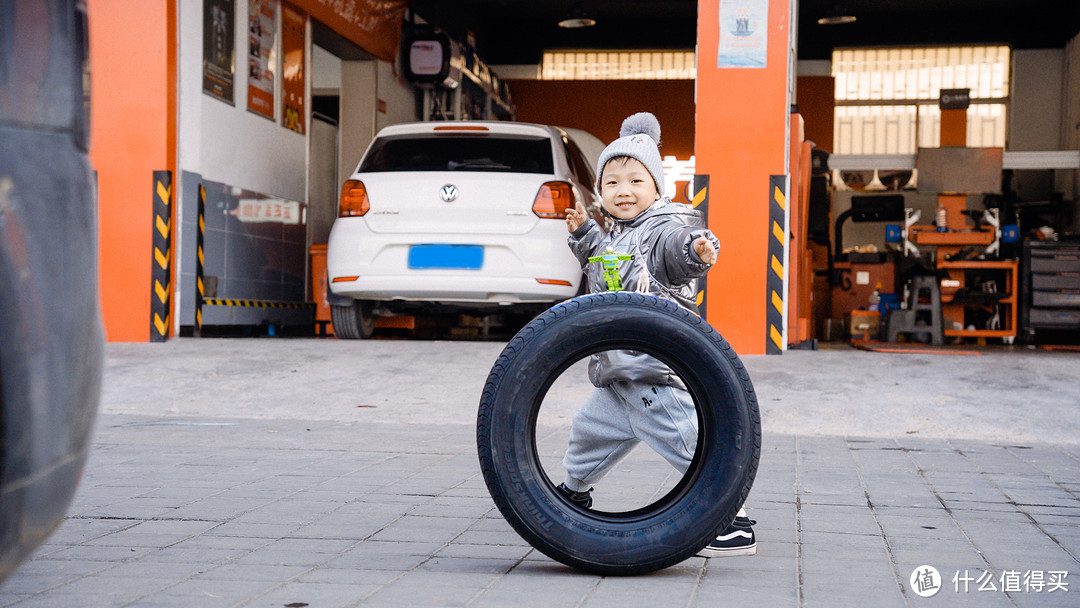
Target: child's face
x=627 y=188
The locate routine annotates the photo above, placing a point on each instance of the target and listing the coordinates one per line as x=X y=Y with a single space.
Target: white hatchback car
x=458 y=215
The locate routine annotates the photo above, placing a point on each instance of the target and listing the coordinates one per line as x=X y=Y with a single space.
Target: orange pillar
x=741 y=144
x=800 y=260
x=953 y=128
x=132 y=105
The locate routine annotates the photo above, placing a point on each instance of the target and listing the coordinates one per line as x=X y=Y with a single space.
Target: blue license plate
x=468 y=257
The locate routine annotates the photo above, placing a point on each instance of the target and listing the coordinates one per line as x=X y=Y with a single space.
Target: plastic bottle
x=875 y=298
x=942 y=225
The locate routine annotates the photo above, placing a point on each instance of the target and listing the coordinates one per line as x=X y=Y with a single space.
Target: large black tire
x=677 y=525
x=356 y=321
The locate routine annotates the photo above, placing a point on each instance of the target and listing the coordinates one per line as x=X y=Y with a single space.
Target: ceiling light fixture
x=836 y=20
x=577 y=18
x=837 y=16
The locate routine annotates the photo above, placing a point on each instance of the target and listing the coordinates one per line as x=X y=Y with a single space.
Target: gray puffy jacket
x=662 y=238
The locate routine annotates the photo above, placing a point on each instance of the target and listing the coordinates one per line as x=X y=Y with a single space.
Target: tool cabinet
x=1051 y=282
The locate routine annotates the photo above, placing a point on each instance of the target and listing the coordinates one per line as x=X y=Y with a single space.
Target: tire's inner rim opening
x=613 y=430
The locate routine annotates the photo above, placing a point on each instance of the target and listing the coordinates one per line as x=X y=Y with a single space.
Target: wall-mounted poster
x=262 y=15
x=219 y=50
x=744 y=34
x=293 y=24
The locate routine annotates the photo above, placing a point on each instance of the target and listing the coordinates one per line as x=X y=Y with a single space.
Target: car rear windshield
x=494 y=153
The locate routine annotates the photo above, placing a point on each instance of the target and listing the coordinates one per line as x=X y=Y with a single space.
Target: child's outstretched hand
x=705 y=250
x=575 y=217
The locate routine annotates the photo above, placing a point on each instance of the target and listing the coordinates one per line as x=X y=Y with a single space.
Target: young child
x=664 y=249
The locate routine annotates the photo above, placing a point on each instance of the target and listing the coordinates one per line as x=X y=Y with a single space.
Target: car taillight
x=354 y=199
x=553 y=199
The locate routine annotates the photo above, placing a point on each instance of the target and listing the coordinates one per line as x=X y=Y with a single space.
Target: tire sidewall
x=717 y=480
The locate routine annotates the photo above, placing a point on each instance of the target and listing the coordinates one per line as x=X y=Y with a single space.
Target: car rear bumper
x=454 y=289
x=536 y=267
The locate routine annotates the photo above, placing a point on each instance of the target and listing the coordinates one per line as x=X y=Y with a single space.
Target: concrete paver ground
x=324 y=473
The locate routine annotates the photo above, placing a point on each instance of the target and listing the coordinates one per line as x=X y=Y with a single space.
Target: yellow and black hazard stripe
x=700 y=201
x=774 y=305
x=200 y=289
x=255 y=303
x=161 y=267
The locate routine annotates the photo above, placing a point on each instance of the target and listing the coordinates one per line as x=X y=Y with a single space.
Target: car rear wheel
x=355 y=321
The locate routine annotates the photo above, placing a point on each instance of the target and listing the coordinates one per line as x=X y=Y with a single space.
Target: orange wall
x=742 y=119
x=599 y=107
x=131 y=46
x=815 y=98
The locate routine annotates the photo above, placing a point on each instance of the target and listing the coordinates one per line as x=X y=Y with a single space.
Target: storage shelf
x=1010 y=302
x=980 y=333
x=933 y=237
x=1051 y=275
x=980 y=264
x=951 y=299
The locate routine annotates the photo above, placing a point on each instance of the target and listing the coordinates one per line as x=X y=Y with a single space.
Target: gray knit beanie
x=639 y=138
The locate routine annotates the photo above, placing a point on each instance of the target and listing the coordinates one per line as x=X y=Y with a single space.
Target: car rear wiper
x=476 y=163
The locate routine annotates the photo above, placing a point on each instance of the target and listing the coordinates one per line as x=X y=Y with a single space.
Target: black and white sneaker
x=736 y=539
x=581 y=499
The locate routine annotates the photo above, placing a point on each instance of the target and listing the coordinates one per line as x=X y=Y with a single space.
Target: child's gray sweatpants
x=617 y=417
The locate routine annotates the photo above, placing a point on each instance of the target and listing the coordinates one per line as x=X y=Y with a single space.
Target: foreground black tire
x=356 y=321
x=52 y=343
x=677 y=525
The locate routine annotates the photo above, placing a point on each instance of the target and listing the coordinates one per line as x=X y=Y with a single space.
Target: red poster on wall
x=262 y=15
x=293 y=24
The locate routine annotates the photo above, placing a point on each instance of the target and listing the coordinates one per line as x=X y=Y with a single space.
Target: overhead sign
x=960 y=170
x=433 y=58
x=954 y=99
x=268 y=209
x=373 y=25
x=426 y=57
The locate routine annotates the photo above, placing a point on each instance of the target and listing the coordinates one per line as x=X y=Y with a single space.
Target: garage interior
x=843 y=282
x=989 y=209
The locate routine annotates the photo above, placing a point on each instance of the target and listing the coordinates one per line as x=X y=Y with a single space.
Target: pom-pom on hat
x=639 y=138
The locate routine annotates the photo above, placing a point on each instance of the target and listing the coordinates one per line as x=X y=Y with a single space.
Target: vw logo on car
x=449 y=193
